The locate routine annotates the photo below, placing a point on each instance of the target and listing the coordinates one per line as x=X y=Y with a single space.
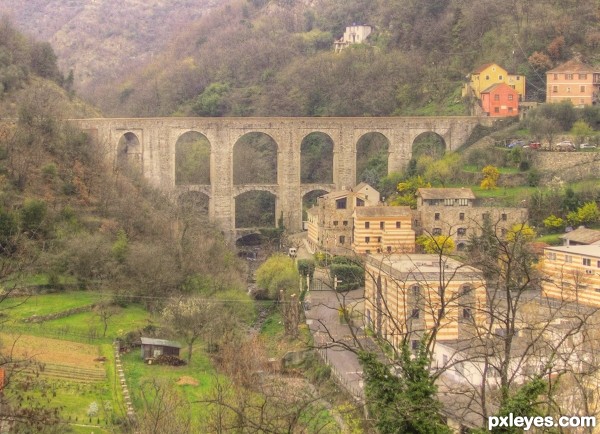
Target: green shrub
x=349 y=276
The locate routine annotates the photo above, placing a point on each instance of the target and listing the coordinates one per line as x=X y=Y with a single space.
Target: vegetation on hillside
x=276 y=58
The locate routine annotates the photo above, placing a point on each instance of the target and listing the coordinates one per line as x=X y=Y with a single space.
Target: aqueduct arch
x=157 y=138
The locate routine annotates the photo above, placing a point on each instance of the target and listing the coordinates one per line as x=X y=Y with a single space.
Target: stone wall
x=569 y=166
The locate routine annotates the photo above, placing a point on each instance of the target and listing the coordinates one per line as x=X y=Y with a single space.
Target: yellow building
x=415 y=294
x=572 y=274
x=383 y=229
x=489 y=74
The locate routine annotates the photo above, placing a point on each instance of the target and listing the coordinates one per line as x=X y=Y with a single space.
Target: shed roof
x=573 y=65
x=160 y=342
x=382 y=211
x=582 y=235
x=497 y=86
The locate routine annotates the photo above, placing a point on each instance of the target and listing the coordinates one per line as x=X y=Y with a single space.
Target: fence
x=353 y=389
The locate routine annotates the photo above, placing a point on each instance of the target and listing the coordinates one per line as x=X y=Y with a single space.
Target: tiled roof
x=382 y=211
x=582 y=235
x=573 y=65
x=493 y=87
x=446 y=193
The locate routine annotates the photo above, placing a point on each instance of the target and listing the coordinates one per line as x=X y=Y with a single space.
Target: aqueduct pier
x=156 y=139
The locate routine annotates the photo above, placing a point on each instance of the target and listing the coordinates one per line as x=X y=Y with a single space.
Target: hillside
x=259 y=57
x=103 y=39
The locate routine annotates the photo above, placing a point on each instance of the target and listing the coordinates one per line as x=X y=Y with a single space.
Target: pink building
x=500 y=100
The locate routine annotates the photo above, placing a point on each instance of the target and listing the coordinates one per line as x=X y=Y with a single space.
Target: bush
x=350 y=276
x=524 y=166
x=533 y=178
x=306 y=267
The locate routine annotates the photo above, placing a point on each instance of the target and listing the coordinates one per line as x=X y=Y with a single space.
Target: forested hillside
x=276 y=58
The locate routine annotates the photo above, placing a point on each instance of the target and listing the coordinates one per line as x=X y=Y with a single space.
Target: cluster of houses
x=500 y=93
x=408 y=294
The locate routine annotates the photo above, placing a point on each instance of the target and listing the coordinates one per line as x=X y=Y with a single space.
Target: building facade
x=415 y=293
x=330 y=221
x=454 y=212
x=354 y=34
x=489 y=74
x=573 y=81
x=500 y=100
x=386 y=229
x=572 y=274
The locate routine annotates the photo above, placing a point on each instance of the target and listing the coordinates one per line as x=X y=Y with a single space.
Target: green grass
x=18 y=308
x=552 y=239
x=473 y=168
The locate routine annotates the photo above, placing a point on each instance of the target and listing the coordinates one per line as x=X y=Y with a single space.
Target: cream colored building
x=415 y=293
x=354 y=34
x=385 y=229
x=572 y=274
x=573 y=81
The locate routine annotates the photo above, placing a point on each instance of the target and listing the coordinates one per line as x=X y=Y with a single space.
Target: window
x=449 y=202
x=381 y=225
x=463 y=202
x=398 y=225
x=436 y=216
x=467 y=313
x=415 y=345
x=414 y=314
x=389 y=249
x=587 y=262
x=598 y=265
x=510 y=109
x=436 y=231
x=496 y=97
x=367 y=225
x=554 y=89
x=461 y=216
x=461 y=231
x=556 y=76
x=568 y=259
x=551 y=256
x=568 y=76
x=466 y=289
x=340 y=203
x=335 y=222
x=345 y=222
x=583 y=76
x=485 y=216
x=342 y=239
x=500 y=77
x=504 y=217
x=496 y=109
x=416 y=290
x=378 y=239
x=367 y=239
x=568 y=90
x=582 y=89
x=360 y=202
x=487 y=77
x=510 y=97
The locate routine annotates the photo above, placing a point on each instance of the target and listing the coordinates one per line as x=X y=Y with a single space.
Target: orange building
x=500 y=100
x=573 y=81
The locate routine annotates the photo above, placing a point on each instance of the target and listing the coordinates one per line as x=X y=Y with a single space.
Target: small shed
x=152 y=348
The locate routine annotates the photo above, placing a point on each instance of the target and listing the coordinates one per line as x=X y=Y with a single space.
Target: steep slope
x=103 y=39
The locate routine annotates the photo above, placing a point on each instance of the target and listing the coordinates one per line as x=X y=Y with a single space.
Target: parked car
x=565 y=145
x=533 y=145
x=515 y=143
x=587 y=146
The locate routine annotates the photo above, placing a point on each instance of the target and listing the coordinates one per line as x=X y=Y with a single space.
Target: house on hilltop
x=573 y=81
x=354 y=34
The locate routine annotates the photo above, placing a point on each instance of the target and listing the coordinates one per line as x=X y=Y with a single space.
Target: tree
x=554 y=224
x=438 y=244
x=581 y=130
x=164 y=410
x=404 y=402
x=278 y=273
x=490 y=177
x=192 y=318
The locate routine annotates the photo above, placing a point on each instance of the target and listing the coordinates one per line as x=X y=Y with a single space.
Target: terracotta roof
x=582 y=235
x=446 y=193
x=482 y=68
x=493 y=87
x=573 y=65
x=382 y=211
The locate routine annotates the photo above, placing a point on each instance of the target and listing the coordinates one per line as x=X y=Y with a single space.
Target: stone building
x=385 y=229
x=330 y=221
x=411 y=294
x=354 y=34
x=455 y=212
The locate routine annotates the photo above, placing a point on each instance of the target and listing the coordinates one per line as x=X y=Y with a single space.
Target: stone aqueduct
x=157 y=138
